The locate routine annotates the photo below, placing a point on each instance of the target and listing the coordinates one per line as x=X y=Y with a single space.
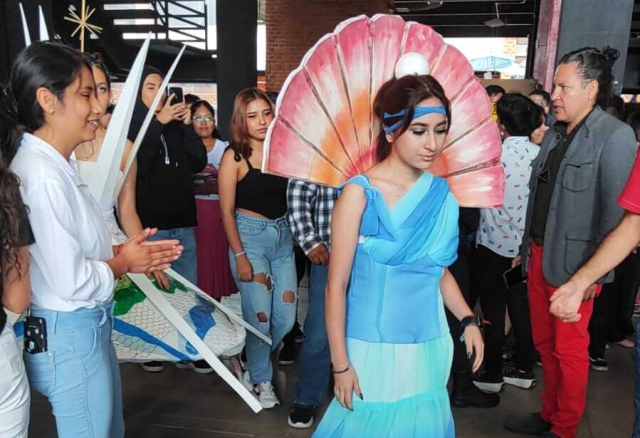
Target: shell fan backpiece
x=325 y=131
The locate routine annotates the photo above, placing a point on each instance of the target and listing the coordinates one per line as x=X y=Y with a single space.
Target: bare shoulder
x=352 y=192
x=352 y=199
x=228 y=158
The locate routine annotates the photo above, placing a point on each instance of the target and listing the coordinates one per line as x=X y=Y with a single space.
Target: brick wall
x=294 y=26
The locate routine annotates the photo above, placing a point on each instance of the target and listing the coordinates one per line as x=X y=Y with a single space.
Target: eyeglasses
x=205 y=119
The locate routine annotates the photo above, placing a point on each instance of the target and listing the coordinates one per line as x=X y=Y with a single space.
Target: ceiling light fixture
x=495 y=22
x=425 y=6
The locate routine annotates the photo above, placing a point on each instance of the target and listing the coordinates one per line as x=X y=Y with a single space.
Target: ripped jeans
x=268 y=302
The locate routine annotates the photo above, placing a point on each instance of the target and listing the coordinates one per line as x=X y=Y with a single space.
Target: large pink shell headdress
x=325 y=131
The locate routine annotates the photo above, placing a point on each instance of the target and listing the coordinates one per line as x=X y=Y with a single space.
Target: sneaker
x=266 y=395
x=487 y=383
x=599 y=364
x=153 y=367
x=300 y=417
x=521 y=379
x=287 y=355
x=199 y=366
x=532 y=424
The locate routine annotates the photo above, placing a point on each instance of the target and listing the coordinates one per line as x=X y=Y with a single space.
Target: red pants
x=564 y=351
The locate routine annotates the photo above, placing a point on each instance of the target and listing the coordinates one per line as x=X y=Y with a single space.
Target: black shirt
x=167 y=159
x=262 y=193
x=547 y=181
x=25 y=237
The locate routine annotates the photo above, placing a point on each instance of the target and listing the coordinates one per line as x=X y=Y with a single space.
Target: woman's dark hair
x=239 y=133
x=203 y=103
x=11 y=206
x=595 y=65
x=95 y=60
x=495 y=89
x=51 y=65
x=634 y=121
x=207 y=105
x=405 y=94
x=542 y=93
x=190 y=99
x=519 y=114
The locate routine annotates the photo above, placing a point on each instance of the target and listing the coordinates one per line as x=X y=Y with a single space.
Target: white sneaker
x=266 y=395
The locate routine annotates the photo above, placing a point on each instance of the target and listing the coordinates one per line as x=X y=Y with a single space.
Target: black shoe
x=521 y=379
x=300 y=417
x=153 y=367
x=598 y=364
x=491 y=384
x=199 y=366
x=466 y=395
x=549 y=435
x=533 y=424
x=287 y=355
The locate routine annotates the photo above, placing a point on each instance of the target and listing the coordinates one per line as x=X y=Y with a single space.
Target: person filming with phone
x=170 y=153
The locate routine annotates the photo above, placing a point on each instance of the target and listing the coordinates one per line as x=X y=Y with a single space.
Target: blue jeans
x=636 y=395
x=187 y=264
x=79 y=373
x=269 y=248
x=315 y=364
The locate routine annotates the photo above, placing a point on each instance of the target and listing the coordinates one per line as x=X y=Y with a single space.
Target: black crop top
x=262 y=193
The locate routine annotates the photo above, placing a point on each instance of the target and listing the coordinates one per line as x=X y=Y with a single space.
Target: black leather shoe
x=533 y=424
x=466 y=395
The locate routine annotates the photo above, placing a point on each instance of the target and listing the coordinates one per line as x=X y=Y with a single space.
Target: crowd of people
x=396 y=267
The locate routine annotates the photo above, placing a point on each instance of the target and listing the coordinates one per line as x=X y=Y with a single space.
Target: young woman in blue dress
x=394 y=232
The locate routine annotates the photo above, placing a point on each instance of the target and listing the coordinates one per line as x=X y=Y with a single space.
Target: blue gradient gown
x=396 y=331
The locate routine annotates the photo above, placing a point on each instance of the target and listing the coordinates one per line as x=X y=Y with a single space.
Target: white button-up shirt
x=68 y=269
x=501 y=229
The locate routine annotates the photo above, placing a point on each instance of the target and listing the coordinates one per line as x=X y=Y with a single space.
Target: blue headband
x=419 y=112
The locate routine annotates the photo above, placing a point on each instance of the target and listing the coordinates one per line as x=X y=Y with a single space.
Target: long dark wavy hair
x=11 y=206
x=239 y=132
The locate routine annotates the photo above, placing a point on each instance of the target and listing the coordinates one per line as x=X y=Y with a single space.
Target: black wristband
x=470 y=320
